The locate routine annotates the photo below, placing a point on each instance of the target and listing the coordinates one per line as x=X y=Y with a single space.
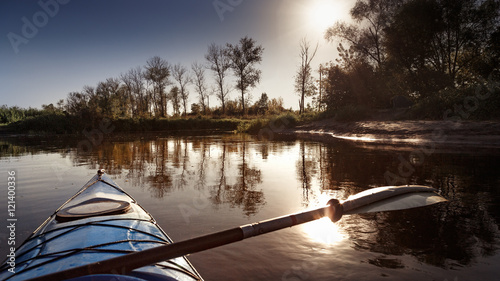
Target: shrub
x=276 y=123
x=464 y=104
x=351 y=113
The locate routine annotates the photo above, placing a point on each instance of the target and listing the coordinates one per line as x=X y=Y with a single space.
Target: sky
x=49 y=48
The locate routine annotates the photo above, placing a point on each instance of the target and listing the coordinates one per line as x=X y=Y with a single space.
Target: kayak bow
x=101 y=221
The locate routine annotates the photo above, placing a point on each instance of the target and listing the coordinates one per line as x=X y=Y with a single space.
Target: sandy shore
x=481 y=134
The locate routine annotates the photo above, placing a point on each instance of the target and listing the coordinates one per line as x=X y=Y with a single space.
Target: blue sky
x=49 y=48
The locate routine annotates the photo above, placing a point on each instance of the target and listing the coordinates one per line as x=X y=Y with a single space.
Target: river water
x=195 y=185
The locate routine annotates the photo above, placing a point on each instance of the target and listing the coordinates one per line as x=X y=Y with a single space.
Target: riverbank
x=378 y=129
x=444 y=133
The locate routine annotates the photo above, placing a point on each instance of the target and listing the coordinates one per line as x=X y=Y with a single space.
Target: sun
x=322 y=14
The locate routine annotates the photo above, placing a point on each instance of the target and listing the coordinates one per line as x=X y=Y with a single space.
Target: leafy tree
x=338 y=88
x=261 y=106
x=438 y=43
x=108 y=97
x=175 y=96
x=11 y=114
x=275 y=106
x=195 y=108
x=366 y=34
x=243 y=57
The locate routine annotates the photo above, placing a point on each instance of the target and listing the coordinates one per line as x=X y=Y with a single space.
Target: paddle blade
x=391 y=198
x=400 y=202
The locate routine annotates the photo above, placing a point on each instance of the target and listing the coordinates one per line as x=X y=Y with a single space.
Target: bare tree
x=219 y=63
x=304 y=82
x=158 y=72
x=181 y=75
x=133 y=82
x=200 y=85
x=127 y=89
x=243 y=58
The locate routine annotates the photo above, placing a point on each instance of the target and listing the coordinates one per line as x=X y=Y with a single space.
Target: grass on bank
x=59 y=123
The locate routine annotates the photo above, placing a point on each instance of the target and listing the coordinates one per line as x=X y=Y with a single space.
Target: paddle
x=372 y=200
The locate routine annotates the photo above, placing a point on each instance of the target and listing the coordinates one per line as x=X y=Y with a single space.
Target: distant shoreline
x=481 y=134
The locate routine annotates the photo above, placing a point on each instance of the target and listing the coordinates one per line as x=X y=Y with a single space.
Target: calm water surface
x=199 y=185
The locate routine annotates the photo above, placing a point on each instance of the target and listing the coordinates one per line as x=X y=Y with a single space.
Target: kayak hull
x=101 y=221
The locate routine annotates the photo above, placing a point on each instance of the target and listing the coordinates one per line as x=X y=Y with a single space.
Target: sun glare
x=322 y=14
x=324 y=230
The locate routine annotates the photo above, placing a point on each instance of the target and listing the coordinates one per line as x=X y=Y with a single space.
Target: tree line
x=433 y=52
x=150 y=90
x=426 y=50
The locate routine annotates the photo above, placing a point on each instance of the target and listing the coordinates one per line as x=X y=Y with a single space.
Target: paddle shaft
x=126 y=263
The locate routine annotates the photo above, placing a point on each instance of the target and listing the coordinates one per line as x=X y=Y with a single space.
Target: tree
x=195 y=108
x=200 y=86
x=181 y=75
x=107 y=98
x=418 y=47
x=437 y=44
x=261 y=105
x=175 y=97
x=304 y=82
x=158 y=73
x=323 y=73
x=366 y=38
x=219 y=63
x=91 y=97
x=275 y=106
x=60 y=105
x=133 y=82
x=243 y=58
x=76 y=103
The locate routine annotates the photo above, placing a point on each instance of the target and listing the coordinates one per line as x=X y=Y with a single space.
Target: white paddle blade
x=388 y=198
x=399 y=202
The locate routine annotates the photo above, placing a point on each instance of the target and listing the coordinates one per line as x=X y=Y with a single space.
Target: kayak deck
x=100 y=222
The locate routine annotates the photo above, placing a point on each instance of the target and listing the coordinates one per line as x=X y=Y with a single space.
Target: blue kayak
x=101 y=221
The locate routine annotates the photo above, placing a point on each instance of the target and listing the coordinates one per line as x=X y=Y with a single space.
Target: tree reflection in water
x=170 y=163
x=243 y=192
x=228 y=170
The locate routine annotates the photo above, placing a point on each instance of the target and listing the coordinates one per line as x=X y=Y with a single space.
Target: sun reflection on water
x=324 y=230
